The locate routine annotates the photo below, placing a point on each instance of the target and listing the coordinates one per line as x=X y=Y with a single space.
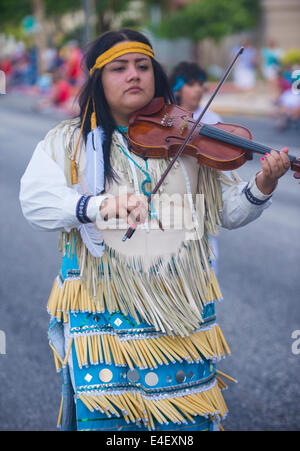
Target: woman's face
x=128 y=83
x=191 y=94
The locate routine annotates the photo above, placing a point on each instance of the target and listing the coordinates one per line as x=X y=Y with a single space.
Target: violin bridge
x=184 y=125
x=167 y=121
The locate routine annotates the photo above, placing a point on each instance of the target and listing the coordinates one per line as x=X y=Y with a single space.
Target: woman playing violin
x=133 y=326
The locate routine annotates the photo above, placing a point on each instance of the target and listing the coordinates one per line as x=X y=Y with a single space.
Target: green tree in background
x=13 y=11
x=105 y=11
x=210 y=19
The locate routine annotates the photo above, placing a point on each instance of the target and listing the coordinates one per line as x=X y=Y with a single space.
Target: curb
x=232 y=111
x=241 y=104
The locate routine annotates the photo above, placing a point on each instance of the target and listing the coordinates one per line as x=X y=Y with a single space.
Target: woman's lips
x=133 y=89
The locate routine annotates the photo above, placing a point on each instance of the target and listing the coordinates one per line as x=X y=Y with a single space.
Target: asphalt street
x=259 y=273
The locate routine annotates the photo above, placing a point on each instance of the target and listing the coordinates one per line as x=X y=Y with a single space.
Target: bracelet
x=81 y=209
x=254 y=200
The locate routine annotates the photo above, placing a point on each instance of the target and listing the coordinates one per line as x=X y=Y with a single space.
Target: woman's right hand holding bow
x=132 y=208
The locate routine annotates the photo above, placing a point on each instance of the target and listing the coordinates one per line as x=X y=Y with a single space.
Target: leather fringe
x=73 y=295
x=139 y=408
x=150 y=351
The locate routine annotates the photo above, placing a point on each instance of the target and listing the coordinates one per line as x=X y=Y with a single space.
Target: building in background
x=281 y=21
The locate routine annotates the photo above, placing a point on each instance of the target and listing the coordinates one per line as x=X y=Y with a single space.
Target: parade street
x=259 y=273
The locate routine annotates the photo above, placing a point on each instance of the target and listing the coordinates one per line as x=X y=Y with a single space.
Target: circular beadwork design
x=151 y=379
x=180 y=376
x=133 y=375
x=105 y=375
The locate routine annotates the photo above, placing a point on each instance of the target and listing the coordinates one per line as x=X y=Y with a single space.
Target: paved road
x=260 y=277
x=259 y=274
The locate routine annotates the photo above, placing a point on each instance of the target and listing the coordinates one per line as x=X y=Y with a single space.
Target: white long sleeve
x=237 y=209
x=46 y=200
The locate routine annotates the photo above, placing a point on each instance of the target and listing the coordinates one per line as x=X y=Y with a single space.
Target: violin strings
x=230 y=138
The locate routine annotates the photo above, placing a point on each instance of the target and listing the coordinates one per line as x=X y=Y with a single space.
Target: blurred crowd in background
x=60 y=84
x=280 y=70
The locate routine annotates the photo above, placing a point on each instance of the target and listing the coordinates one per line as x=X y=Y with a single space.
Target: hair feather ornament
x=94 y=180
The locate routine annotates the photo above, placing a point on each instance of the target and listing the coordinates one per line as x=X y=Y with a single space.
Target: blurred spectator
x=44 y=83
x=188 y=81
x=59 y=94
x=244 y=72
x=57 y=87
x=61 y=88
x=50 y=58
x=270 y=63
x=287 y=104
x=6 y=67
x=21 y=68
x=33 y=66
x=19 y=76
x=73 y=63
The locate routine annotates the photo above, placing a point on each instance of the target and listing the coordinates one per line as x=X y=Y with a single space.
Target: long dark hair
x=93 y=89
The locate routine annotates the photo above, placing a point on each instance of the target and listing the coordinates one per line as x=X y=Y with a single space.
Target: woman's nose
x=132 y=73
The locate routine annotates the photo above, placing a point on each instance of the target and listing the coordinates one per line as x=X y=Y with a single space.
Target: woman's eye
x=144 y=67
x=118 y=69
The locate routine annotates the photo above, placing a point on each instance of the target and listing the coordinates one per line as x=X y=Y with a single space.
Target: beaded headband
x=121 y=49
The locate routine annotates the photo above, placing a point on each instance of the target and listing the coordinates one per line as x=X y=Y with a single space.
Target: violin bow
x=131 y=230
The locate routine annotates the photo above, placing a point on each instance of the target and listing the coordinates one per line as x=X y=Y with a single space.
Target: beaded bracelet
x=254 y=200
x=81 y=209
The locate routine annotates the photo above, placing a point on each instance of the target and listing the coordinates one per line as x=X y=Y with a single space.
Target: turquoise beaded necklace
x=152 y=212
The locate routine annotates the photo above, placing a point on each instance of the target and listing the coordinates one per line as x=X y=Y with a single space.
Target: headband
x=180 y=81
x=121 y=49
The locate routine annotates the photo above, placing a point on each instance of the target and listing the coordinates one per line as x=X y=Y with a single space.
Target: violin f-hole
x=168 y=138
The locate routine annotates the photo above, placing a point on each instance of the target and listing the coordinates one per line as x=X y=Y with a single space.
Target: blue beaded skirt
x=127 y=375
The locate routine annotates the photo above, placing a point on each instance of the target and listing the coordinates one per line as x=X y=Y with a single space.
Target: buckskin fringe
x=171 y=304
x=137 y=407
x=59 y=362
x=149 y=351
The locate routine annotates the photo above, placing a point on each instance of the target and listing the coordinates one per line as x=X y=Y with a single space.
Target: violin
x=158 y=130
x=161 y=130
